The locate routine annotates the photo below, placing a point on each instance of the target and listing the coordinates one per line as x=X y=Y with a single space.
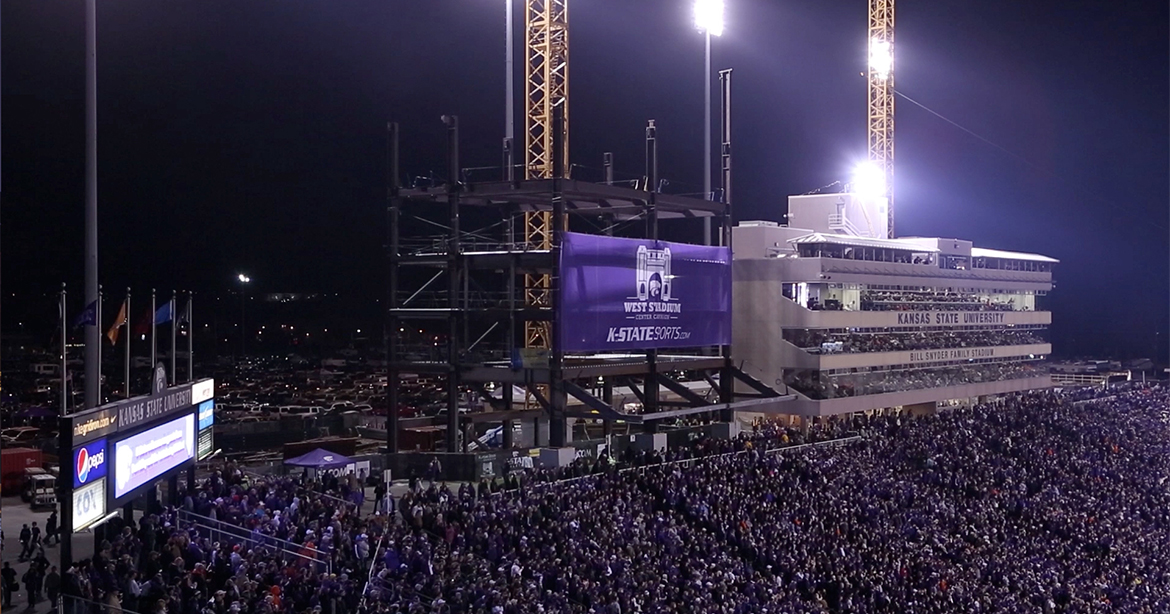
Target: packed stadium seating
x=899 y=342
x=1044 y=502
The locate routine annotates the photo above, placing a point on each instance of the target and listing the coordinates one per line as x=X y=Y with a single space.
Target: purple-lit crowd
x=1046 y=502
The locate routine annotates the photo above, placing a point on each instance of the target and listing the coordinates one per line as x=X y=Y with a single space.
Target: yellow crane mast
x=546 y=86
x=881 y=96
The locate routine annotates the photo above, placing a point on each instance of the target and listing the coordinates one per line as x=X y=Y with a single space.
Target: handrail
x=370 y=576
x=838 y=441
x=73 y=600
x=283 y=545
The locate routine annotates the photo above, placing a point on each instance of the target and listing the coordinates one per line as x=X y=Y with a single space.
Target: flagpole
x=190 y=341
x=153 y=343
x=97 y=325
x=126 y=375
x=174 y=376
x=64 y=362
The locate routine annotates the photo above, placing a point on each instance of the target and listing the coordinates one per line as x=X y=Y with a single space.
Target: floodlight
x=244 y=278
x=709 y=16
x=881 y=58
x=869 y=180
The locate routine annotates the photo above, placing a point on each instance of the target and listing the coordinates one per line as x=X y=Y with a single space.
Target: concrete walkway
x=16 y=514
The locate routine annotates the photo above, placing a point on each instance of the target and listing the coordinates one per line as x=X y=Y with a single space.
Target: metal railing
x=373 y=562
x=839 y=442
x=1079 y=379
x=220 y=531
x=70 y=604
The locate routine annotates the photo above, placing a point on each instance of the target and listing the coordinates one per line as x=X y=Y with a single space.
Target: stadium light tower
x=869 y=180
x=881 y=97
x=709 y=19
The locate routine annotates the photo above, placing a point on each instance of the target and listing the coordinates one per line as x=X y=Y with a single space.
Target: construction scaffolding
x=487 y=314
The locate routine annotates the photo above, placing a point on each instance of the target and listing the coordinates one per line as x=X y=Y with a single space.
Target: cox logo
x=88 y=463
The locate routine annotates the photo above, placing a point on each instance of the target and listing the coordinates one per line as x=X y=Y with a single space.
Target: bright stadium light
x=869 y=180
x=709 y=16
x=881 y=58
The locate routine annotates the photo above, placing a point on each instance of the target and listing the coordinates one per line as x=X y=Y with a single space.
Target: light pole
x=244 y=281
x=709 y=19
x=93 y=334
x=509 y=100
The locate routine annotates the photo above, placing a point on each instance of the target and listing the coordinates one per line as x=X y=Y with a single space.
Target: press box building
x=849 y=320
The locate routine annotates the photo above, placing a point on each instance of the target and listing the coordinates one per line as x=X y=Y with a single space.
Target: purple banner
x=639 y=294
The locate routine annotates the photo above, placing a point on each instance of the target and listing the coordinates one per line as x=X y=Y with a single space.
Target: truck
x=13 y=462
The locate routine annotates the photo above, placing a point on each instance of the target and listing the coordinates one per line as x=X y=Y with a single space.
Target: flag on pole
x=119 y=321
x=143 y=325
x=87 y=317
x=185 y=314
x=163 y=315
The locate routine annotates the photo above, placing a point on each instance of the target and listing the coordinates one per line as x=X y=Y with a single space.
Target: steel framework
x=881 y=96
x=546 y=90
x=487 y=316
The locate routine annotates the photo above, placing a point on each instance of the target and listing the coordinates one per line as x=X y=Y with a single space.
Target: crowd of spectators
x=818 y=385
x=890 y=300
x=815 y=340
x=1045 y=502
x=237 y=544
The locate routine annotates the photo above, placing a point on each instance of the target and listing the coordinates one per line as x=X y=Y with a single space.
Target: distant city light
x=881 y=58
x=869 y=180
x=709 y=16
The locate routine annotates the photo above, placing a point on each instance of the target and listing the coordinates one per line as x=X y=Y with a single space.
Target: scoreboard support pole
x=65 y=489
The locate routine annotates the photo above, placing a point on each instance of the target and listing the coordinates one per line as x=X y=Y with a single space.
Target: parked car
x=19 y=434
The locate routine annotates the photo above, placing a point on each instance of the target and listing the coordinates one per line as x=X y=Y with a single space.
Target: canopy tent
x=37 y=412
x=319 y=459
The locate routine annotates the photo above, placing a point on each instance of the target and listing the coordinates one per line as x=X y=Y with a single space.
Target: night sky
x=250 y=135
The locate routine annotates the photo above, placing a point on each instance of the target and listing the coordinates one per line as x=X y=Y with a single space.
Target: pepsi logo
x=87 y=461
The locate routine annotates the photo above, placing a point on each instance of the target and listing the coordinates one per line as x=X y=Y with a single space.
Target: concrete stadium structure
x=849 y=320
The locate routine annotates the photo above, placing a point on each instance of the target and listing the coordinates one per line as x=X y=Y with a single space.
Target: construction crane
x=546 y=86
x=881 y=98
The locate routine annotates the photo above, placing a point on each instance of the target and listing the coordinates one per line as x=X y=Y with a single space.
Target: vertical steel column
x=607 y=220
x=509 y=425
x=190 y=333
x=726 y=390
x=154 y=331
x=65 y=450
x=557 y=435
x=454 y=262
x=725 y=145
x=607 y=397
x=651 y=383
x=392 y=212
x=510 y=97
x=707 y=137
x=174 y=347
x=64 y=354
x=93 y=334
x=126 y=358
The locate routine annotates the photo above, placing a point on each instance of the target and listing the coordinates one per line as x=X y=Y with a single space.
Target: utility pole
x=93 y=334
